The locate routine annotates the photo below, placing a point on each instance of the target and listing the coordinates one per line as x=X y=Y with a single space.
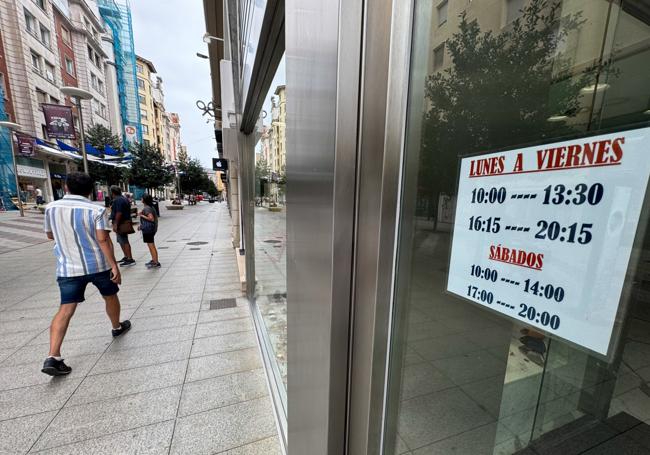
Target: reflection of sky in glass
x=252 y=30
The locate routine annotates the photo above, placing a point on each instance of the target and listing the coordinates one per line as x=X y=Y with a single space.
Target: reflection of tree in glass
x=500 y=90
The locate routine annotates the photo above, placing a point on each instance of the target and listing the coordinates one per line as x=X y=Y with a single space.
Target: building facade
x=87 y=33
x=145 y=71
x=35 y=71
x=117 y=17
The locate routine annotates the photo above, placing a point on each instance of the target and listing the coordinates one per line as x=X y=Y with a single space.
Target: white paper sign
x=28 y=171
x=544 y=234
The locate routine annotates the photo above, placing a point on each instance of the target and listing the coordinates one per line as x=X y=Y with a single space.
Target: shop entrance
x=567 y=368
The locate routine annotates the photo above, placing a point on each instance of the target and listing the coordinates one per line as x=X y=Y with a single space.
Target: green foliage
x=500 y=89
x=148 y=169
x=192 y=175
x=98 y=136
x=262 y=170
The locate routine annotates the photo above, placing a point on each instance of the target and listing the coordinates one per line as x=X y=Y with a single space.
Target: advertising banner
x=544 y=234
x=131 y=133
x=58 y=121
x=25 y=144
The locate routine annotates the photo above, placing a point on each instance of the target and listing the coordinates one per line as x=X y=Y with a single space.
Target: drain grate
x=163 y=247
x=172 y=240
x=222 y=304
x=194 y=249
x=272 y=241
x=197 y=243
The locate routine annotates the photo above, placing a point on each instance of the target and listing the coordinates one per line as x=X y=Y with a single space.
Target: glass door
x=521 y=319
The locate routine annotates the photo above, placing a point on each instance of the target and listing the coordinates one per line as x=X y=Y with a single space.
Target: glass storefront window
x=270 y=231
x=465 y=378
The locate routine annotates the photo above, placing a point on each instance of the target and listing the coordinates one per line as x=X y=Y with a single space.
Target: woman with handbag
x=149 y=227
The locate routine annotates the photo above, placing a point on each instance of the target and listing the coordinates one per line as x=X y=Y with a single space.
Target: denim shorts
x=122 y=239
x=73 y=288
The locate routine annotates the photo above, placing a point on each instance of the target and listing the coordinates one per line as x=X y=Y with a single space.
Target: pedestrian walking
x=122 y=224
x=39 y=196
x=149 y=227
x=84 y=253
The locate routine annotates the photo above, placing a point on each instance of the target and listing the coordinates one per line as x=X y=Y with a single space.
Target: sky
x=169 y=33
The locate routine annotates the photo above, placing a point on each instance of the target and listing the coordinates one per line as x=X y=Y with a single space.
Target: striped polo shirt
x=73 y=221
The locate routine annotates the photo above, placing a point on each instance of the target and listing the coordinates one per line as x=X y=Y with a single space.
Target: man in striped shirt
x=84 y=254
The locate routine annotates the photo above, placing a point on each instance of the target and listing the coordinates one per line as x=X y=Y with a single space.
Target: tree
x=500 y=89
x=99 y=136
x=192 y=175
x=148 y=169
x=262 y=170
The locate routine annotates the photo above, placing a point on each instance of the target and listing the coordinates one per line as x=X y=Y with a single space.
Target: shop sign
x=219 y=164
x=26 y=144
x=544 y=234
x=28 y=171
x=58 y=121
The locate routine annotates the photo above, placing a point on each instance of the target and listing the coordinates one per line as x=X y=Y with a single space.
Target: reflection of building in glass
x=278 y=126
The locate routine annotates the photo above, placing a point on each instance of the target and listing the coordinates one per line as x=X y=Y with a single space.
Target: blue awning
x=90 y=150
x=65 y=147
x=108 y=150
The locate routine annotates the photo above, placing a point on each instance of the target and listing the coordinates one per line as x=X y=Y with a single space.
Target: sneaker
x=153 y=265
x=55 y=367
x=123 y=259
x=125 y=326
x=149 y=263
x=127 y=262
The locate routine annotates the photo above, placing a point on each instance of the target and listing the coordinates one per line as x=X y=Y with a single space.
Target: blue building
x=7 y=175
x=117 y=15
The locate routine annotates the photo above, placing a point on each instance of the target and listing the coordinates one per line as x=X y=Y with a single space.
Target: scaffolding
x=7 y=176
x=117 y=15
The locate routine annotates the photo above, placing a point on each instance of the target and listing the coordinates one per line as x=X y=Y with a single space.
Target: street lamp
x=13 y=127
x=80 y=94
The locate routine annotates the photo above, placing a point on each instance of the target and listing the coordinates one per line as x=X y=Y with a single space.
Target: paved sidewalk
x=185 y=379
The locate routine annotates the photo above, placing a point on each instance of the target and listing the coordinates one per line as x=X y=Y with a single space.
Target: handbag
x=147 y=227
x=125 y=228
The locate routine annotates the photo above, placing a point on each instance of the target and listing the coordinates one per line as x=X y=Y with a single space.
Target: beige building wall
x=145 y=70
x=279 y=126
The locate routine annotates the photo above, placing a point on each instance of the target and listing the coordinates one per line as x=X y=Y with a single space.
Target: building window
x=438 y=57
x=140 y=68
x=49 y=72
x=93 y=81
x=141 y=83
x=41 y=97
x=45 y=36
x=143 y=115
x=442 y=13
x=69 y=66
x=143 y=100
x=3 y=86
x=40 y=3
x=30 y=22
x=65 y=35
x=91 y=54
x=513 y=9
x=36 y=63
x=145 y=129
x=53 y=100
x=102 y=110
x=100 y=85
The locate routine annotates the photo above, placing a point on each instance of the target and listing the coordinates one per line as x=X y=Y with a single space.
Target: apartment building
x=87 y=41
x=174 y=131
x=161 y=122
x=145 y=70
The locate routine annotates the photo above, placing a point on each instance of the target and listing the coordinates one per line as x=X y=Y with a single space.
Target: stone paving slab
x=185 y=379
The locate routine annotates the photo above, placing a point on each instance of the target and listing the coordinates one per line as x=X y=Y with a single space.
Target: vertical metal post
x=13 y=157
x=82 y=137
